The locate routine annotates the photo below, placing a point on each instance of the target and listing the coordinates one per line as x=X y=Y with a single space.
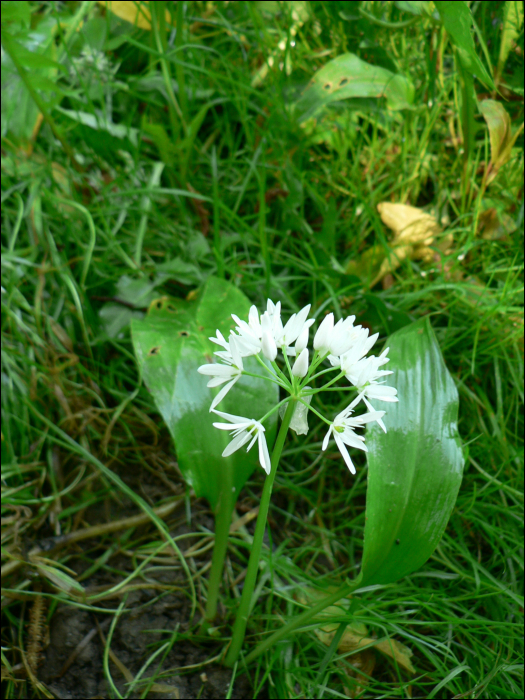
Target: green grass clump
x=169 y=156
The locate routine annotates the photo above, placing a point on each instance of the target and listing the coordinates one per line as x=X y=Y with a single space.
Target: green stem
x=223 y=519
x=302 y=619
x=243 y=611
x=266 y=379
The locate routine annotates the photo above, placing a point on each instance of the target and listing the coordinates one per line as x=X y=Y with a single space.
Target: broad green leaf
x=501 y=138
x=457 y=20
x=415 y=469
x=348 y=76
x=170 y=344
x=34 y=51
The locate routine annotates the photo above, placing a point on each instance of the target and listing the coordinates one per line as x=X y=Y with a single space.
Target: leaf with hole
x=170 y=344
x=415 y=469
x=347 y=76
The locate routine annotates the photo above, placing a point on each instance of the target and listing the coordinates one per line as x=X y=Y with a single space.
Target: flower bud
x=269 y=347
x=324 y=332
x=300 y=367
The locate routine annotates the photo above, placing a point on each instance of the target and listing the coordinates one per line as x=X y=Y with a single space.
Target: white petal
x=371 y=417
x=268 y=345
x=353 y=440
x=302 y=340
x=295 y=325
x=322 y=337
x=236 y=355
x=232 y=418
x=344 y=452
x=327 y=437
x=222 y=393
x=264 y=455
x=382 y=392
x=220 y=340
x=216 y=370
x=370 y=342
x=217 y=381
x=235 y=444
x=378 y=420
x=253 y=320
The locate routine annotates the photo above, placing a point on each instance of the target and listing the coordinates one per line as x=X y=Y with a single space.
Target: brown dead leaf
x=492 y=226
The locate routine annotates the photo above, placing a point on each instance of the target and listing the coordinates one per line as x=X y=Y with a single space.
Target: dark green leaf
x=457 y=20
x=348 y=76
x=170 y=344
x=415 y=469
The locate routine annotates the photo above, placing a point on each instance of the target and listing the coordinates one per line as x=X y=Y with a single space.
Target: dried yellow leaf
x=411 y=226
x=136 y=13
x=355 y=636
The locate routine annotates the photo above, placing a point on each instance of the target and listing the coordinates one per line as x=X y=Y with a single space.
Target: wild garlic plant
x=341 y=348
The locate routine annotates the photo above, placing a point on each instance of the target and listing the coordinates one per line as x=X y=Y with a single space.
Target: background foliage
x=138 y=160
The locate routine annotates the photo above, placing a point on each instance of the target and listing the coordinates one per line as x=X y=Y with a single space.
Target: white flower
x=224 y=373
x=243 y=430
x=360 y=346
x=343 y=427
x=364 y=375
x=343 y=335
x=324 y=334
x=249 y=333
x=220 y=340
x=284 y=337
x=300 y=366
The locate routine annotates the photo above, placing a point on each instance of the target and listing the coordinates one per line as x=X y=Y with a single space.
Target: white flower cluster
x=344 y=345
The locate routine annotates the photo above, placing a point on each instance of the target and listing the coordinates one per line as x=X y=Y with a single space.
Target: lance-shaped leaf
x=457 y=20
x=348 y=76
x=415 y=469
x=170 y=344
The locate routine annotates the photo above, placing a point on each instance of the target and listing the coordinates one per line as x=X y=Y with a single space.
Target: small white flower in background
x=244 y=430
x=343 y=344
x=343 y=428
